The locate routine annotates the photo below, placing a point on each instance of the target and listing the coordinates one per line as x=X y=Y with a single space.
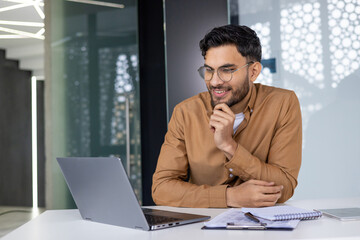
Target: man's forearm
x=178 y=193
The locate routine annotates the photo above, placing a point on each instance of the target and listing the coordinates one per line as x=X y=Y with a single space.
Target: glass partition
x=94 y=83
x=313 y=48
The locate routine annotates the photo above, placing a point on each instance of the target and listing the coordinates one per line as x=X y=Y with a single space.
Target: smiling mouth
x=219 y=93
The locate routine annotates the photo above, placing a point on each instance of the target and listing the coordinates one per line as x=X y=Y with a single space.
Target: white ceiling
x=21 y=41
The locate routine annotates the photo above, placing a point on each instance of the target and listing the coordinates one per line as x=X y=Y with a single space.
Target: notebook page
x=271 y=212
x=237 y=217
x=231 y=215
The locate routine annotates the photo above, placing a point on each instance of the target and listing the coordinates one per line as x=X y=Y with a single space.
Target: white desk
x=67 y=224
x=15 y=218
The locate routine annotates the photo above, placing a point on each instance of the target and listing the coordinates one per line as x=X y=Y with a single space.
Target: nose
x=216 y=81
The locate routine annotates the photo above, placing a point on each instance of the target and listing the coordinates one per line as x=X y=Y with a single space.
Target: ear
x=254 y=71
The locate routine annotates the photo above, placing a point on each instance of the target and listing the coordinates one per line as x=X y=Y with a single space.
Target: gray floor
x=14 y=217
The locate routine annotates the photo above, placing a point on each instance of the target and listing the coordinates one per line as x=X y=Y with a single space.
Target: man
x=237 y=145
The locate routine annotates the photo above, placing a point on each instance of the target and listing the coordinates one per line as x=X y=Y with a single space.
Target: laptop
x=343 y=214
x=103 y=193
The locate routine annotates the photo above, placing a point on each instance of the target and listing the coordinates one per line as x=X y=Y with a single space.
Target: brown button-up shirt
x=193 y=172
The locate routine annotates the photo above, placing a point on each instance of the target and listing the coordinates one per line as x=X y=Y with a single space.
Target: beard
x=236 y=94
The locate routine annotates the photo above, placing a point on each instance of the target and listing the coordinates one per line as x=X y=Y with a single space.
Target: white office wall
x=316 y=44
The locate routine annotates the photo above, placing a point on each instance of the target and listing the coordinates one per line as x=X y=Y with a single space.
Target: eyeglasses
x=224 y=73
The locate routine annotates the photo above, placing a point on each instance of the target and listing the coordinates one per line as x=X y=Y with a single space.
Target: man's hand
x=221 y=123
x=253 y=193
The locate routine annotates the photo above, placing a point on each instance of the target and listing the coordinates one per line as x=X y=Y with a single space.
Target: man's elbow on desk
x=286 y=194
x=164 y=196
x=156 y=196
x=160 y=200
x=288 y=190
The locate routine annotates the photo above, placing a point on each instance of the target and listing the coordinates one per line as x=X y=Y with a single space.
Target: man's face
x=235 y=90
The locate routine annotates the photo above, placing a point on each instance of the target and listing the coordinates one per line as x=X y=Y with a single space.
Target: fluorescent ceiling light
x=25 y=3
x=21 y=33
x=41 y=32
x=39 y=11
x=105 y=4
x=18 y=23
x=4 y=9
x=27 y=33
x=3 y=36
x=41 y=4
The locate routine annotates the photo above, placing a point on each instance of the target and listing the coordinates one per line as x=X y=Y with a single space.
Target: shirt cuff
x=217 y=196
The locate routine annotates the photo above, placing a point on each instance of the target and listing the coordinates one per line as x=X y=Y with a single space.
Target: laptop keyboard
x=156 y=219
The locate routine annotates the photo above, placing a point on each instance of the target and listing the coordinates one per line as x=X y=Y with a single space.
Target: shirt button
x=230 y=169
x=231 y=175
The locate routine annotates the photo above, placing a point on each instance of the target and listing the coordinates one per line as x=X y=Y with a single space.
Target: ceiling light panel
x=22 y=19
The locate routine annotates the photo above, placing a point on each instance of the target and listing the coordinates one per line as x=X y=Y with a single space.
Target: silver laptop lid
x=102 y=191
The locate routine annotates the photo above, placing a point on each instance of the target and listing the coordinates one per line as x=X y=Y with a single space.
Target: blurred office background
x=100 y=78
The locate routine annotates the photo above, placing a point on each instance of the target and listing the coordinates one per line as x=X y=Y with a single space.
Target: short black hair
x=244 y=38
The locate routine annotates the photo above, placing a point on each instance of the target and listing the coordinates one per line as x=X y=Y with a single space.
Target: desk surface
x=68 y=224
x=15 y=216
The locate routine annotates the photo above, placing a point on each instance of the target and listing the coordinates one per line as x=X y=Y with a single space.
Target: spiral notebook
x=283 y=213
x=234 y=219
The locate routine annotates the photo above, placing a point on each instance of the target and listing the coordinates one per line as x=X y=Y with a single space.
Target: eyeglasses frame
x=217 y=71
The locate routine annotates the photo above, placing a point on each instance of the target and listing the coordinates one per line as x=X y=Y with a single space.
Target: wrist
x=229 y=149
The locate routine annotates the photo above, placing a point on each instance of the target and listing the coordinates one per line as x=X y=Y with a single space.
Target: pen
x=252 y=217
